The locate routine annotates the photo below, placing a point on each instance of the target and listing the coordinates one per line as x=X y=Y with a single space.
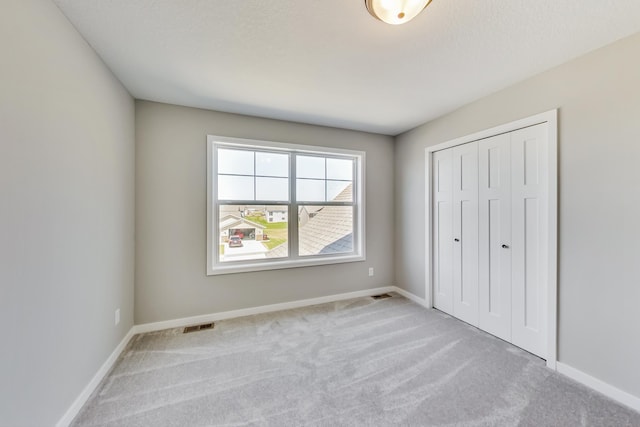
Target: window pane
x=325 y=230
x=310 y=167
x=272 y=164
x=310 y=190
x=340 y=169
x=235 y=187
x=236 y=162
x=272 y=189
x=339 y=191
x=253 y=232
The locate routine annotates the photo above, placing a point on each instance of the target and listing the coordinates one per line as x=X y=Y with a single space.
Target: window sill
x=284 y=264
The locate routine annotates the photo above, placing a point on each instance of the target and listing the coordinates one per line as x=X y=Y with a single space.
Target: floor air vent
x=198 y=328
x=381 y=296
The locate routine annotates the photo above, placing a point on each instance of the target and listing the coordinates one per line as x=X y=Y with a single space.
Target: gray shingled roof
x=280 y=251
x=330 y=230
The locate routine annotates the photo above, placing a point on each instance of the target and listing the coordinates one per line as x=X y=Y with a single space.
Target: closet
x=490 y=234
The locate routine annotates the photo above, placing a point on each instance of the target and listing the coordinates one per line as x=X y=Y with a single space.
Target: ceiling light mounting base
x=395 y=12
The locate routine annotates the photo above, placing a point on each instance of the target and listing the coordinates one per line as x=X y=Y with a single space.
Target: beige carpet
x=352 y=363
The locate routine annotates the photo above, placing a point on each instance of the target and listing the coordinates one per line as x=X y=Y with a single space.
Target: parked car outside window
x=235 y=242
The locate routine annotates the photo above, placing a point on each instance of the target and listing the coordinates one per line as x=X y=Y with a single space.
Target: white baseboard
x=75 y=407
x=608 y=390
x=412 y=297
x=186 y=321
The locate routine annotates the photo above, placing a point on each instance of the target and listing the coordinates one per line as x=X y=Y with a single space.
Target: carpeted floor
x=361 y=362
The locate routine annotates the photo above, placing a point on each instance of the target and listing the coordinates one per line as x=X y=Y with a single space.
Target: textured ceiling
x=329 y=62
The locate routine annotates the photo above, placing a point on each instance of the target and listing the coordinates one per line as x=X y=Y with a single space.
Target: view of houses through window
x=253 y=232
x=274 y=204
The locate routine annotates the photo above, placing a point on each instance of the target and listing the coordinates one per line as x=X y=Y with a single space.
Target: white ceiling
x=329 y=62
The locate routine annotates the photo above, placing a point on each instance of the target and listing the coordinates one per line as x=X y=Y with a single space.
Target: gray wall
x=171 y=167
x=66 y=213
x=599 y=237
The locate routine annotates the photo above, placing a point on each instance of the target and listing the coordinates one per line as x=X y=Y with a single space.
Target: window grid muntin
x=254 y=151
x=326 y=180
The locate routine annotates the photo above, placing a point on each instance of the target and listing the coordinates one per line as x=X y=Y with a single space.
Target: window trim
x=215 y=267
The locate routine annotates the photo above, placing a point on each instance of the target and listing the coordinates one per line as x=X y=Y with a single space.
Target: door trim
x=551 y=118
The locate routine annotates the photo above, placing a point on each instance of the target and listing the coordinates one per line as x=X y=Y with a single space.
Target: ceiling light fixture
x=395 y=12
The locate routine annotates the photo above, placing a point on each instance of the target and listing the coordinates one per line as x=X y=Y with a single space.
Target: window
x=274 y=205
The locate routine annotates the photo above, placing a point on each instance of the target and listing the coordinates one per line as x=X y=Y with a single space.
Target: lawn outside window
x=273 y=205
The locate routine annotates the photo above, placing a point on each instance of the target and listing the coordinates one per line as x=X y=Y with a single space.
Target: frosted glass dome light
x=395 y=12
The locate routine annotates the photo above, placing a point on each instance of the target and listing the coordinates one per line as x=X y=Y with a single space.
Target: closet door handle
x=505 y=246
x=456 y=240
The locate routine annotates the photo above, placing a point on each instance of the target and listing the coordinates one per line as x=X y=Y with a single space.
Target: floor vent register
x=196 y=328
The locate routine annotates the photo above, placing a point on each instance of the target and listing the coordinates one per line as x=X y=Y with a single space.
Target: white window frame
x=215 y=267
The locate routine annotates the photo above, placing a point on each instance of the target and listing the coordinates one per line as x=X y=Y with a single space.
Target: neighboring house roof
x=280 y=251
x=330 y=230
x=239 y=210
x=345 y=195
x=232 y=221
x=226 y=210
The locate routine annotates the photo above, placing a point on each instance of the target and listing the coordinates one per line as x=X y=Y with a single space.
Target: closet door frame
x=551 y=119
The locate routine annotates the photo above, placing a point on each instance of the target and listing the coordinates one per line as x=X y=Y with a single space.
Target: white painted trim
x=408 y=295
x=186 y=321
x=548 y=116
x=76 y=406
x=551 y=118
x=552 y=245
x=210 y=211
x=594 y=383
x=285 y=146
x=286 y=263
x=428 y=241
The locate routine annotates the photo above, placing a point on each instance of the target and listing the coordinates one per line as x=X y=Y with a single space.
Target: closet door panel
x=494 y=199
x=529 y=231
x=465 y=232
x=443 y=231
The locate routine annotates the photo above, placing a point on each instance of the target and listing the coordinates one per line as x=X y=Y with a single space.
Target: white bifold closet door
x=465 y=232
x=495 y=235
x=443 y=230
x=456 y=232
x=529 y=238
x=490 y=233
x=513 y=232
